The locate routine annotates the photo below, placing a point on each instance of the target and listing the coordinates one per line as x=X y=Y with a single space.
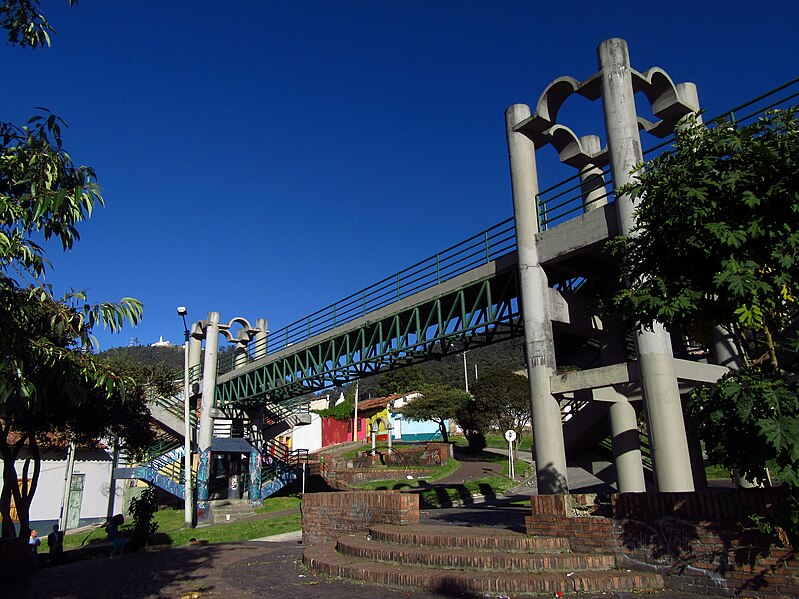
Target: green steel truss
x=482 y=312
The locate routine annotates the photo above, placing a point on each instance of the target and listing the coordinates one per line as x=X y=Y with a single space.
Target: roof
x=378 y=403
x=53 y=440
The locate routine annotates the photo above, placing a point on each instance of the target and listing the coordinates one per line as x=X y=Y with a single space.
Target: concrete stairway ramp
x=227 y=510
x=457 y=559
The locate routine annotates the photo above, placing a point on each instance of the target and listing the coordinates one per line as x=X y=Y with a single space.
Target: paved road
x=230 y=570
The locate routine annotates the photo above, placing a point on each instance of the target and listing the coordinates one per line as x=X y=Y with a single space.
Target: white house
x=90 y=500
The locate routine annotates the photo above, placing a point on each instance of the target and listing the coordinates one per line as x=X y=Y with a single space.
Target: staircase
x=471 y=560
x=228 y=510
x=162 y=466
x=280 y=467
x=280 y=417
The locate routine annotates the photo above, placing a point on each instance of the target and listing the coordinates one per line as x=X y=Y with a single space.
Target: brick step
x=475 y=538
x=230 y=503
x=325 y=559
x=237 y=512
x=456 y=558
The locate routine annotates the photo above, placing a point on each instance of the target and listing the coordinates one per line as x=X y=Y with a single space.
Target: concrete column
x=206 y=434
x=259 y=351
x=626 y=447
x=196 y=352
x=240 y=357
x=261 y=338
x=592 y=180
x=550 y=455
x=658 y=377
x=624 y=427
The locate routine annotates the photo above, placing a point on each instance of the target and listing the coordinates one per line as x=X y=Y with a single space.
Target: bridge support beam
x=550 y=455
x=206 y=434
x=592 y=180
x=626 y=447
x=659 y=380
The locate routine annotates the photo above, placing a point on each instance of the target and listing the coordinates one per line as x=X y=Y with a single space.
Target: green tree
x=438 y=403
x=51 y=386
x=400 y=380
x=505 y=398
x=25 y=24
x=716 y=245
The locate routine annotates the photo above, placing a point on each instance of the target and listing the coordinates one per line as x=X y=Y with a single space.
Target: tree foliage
x=438 y=403
x=504 y=397
x=400 y=380
x=716 y=244
x=25 y=24
x=717 y=234
x=52 y=388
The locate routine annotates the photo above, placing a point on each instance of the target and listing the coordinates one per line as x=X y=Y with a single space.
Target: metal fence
x=556 y=204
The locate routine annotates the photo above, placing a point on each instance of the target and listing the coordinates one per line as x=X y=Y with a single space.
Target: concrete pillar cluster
x=550 y=454
x=660 y=390
x=667 y=436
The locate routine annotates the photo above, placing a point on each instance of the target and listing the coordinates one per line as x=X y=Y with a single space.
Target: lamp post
x=465 y=371
x=188 y=511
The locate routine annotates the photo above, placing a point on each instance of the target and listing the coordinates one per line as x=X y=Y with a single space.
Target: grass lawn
x=489 y=486
x=170 y=527
x=229 y=532
x=498 y=441
x=381 y=446
x=716 y=471
x=438 y=472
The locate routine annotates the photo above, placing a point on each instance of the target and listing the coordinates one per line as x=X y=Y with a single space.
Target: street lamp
x=465 y=371
x=188 y=512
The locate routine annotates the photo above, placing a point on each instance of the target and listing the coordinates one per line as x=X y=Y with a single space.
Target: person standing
x=34 y=543
x=55 y=542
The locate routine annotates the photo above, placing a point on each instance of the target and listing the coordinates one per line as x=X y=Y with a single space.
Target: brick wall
x=736 y=505
x=15 y=557
x=699 y=542
x=358 y=476
x=326 y=516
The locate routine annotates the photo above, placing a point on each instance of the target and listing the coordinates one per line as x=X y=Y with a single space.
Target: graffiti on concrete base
x=277 y=483
x=203 y=474
x=672 y=541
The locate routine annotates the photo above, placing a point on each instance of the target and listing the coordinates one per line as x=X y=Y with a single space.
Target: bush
x=143 y=509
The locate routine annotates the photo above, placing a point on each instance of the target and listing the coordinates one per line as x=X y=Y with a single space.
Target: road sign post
x=510 y=435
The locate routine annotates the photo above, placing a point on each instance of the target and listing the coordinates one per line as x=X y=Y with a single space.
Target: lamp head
x=182 y=310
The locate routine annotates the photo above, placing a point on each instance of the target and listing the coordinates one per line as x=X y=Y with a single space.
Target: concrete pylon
x=592 y=180
x=206 y=434
x=261 y=338
x=624 y=429
x=626 y=447
x=658 y=377
x=550 y=455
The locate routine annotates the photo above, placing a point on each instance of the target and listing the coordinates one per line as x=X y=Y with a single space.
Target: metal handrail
x=492 y=243
x=479 y=249
x=551 y=213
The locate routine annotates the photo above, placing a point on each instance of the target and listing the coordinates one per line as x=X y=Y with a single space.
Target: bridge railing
x=556 y=204
x=565 y=200
x=467 y=255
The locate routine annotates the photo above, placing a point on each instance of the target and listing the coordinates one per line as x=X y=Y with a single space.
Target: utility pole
x=67 y=486
x=188 y=508
x=355 y=417
x=465 y=371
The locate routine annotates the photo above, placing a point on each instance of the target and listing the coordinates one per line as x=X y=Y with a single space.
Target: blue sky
x=266 y=159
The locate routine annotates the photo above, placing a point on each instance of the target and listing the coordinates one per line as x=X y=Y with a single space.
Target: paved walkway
x=248 y=569
x=269 y=568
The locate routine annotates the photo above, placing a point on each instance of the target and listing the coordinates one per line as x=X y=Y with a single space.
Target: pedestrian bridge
x=465 y=296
